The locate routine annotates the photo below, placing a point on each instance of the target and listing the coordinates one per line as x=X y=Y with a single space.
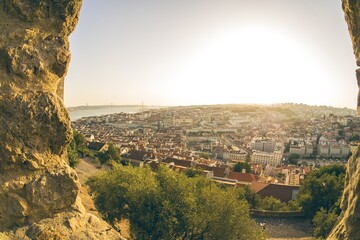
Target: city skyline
x=197 y=52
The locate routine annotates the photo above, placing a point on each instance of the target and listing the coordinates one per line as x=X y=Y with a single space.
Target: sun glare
x=252 y=65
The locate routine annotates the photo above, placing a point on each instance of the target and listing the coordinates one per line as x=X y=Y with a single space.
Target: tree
x=193 y=172
x=111 y=154
x=170 y=205
x=77 y=147
x=272 y=204
x=242 y=165
x=72 y=154
x=341 y=132
x=354 y=137
x=251 y=197
x=322 y=189
x=323 y=222
x=79 y=139
x=293 y=158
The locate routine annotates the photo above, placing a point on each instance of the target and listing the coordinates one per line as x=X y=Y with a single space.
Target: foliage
x=320 y=197
x=193 y=172
x=267 y=203
x=322 y=189
x=111 y=154
x=341 y=132
x=354 y=137
x=323 y=222
x=204 y=155
x=79 y=139
x=250 y=196
x=293 y=158
x=274 y=204
x=78 y=147
x=169 y=205
x=81 y=145
x=125 y=162
x=72 y=154
x=242 y=165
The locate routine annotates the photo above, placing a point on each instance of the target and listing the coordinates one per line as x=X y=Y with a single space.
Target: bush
x=72 y=154
x=170 y=205
x=322 y=189
x=111 y=154
x=323 y=223
x=320 y=197
x=242 y=165
x=77 y=146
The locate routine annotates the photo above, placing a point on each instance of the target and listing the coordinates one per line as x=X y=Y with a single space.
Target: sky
x=194 y=52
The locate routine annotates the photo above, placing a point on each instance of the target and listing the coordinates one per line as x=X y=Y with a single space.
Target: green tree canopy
x=79 y=139
x=204 y=155
x=293 y=158
x=169 y=205
x=111 y=154
x=238 y=167
x=322 y=189
x=72 y=153
x=354 y=137
x=193 y=172
x=323 y=223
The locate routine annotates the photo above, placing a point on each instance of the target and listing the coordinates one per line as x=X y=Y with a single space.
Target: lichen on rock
x=39 y=192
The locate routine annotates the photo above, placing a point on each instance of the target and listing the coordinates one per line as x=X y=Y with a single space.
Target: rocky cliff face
x=349 y=225
x=38 y=191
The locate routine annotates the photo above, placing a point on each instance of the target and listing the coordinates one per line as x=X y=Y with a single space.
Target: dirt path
x=86 y=168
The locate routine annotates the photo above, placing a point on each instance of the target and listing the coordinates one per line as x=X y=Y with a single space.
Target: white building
x=323 y=149
x=298 y=149
x=232 y=155
x=265 y=158
x=263 y=144
x=335 y=150
x=309 y=149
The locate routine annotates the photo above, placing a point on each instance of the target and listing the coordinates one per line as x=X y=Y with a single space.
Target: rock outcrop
x=349 y=224
x=39 y=192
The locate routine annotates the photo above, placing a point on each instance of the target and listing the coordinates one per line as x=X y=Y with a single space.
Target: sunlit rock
x=349 y=223
x=38 y=190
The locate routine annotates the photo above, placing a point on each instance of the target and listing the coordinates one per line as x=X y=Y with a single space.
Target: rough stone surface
x=349 y=223
x=38 y=190
x=352 y=16
x=68 y=225
x=352 y=12
x=348 y=226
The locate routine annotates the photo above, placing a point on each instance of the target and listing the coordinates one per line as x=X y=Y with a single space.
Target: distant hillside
x=95 y=107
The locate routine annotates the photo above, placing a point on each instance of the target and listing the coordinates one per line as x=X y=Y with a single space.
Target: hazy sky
x=167 y=52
